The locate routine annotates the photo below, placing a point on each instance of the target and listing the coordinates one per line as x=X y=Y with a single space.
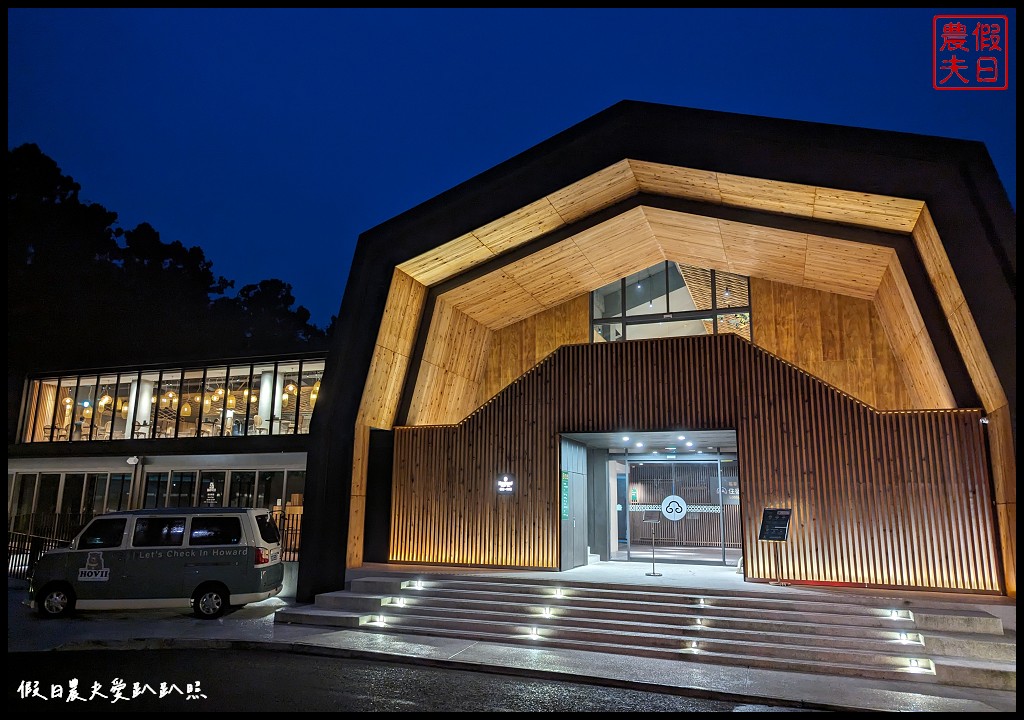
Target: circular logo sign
x=673 y=507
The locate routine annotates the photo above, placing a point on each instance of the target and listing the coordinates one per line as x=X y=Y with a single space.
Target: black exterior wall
x=956 y=178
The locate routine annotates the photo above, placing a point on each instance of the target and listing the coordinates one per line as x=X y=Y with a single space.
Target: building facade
x=742 y=313
x=218 y=434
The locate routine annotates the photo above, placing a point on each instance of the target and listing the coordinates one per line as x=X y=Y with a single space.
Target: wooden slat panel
x=770 y=195
x=690 y=239
x=494 y=300
x=555 y=274
x=402 y=311
x=448 y=260
x=861 y=483
x=659 y=179
x=516 y=348
x=595 y=192
x=758 y=251
x=451 y=369
x=976 y=358
x=620 y=246
x=834 y=337
x=844 y=267
x=878 y=211
x=936 y=263
x=897 y=310
x=519 y=227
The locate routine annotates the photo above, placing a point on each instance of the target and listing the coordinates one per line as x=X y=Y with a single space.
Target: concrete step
x=806 y=632
x=817 y=612
x=710 y=655
x=312 y=615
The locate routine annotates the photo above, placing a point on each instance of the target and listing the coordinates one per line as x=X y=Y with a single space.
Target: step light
x=418 y=584
x=546 y=612
x=400 y=602
x=693 y=646
x=380 y=620
x=558 y=593
x=894 y=614
x=699 y=621
x=534 y=634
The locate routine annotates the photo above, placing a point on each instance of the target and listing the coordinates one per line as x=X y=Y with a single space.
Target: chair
x=257 y=426
x=104 y=432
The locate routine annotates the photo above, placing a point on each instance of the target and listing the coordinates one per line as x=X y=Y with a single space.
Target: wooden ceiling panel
x=494 y=300
x=594 y=192
x=690 y=239
x=844 y=267
x=555 y=274
x=659 y=179
x=619 y=246
x=759 y=251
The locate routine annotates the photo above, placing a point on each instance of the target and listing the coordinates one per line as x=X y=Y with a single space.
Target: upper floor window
x=669 y=300
x=273 y=397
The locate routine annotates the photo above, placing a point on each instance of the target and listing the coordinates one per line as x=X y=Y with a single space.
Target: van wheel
x=55 y=600
x=210 y=601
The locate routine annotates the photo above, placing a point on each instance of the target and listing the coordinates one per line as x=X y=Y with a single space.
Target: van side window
x=103 y=533
x=215 y=531
x=268 y=529
x=154 y=531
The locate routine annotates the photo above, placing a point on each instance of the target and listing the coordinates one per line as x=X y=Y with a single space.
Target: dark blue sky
x=273 y=138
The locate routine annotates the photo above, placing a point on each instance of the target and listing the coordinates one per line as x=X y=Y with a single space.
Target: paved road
x=263 y=681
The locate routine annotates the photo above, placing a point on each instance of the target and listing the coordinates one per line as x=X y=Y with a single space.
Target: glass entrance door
x=709 y=530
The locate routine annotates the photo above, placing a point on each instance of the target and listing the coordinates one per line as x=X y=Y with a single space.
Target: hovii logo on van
x=94 y=570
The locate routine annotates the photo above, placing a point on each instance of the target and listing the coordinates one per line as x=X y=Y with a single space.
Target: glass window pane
x=157 y=531
x=645 y=291
x=670 y=328
x=122 y=395
x=156 y=490
x=143 y=405
x=119 y=491
x=215 y=531
x=211 y=488
x=96 y=492
x=696 y=295
x=738 y=323
x=607 y=301
x=243 y=484
x=49 y=487
x=168 y=398
x=270 y=493
x=213 y=402
x=71 y=497
x=105 y=408
x=103 y=533
x=312 y=372
x=26 y=495
x=190 y=406
x=236 y=401
x=265 y=399
x=65 y=412
x=288 y=378
x=84 y=409
x=607 y=332
x=731 y=290
x=183 y=489
x=295 y=488
x=40 y=415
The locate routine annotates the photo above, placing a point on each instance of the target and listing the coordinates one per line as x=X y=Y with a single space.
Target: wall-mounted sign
x=565 y=494
x=775 y=524
x=506 y=484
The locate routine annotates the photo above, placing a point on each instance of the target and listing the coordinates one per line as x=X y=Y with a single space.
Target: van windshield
x=268 y=529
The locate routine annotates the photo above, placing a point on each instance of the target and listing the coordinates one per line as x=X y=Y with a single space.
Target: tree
x=84 y=292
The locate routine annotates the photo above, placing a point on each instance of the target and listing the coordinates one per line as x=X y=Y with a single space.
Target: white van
x=206 y=559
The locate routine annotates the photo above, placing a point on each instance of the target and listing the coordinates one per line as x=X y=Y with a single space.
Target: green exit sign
x=565 y=494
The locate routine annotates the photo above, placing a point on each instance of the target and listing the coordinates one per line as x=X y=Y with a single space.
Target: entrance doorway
x=687 y=481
